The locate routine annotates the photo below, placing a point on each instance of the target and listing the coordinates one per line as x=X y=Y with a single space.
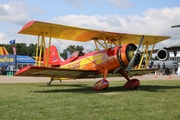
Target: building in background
x=14 y=62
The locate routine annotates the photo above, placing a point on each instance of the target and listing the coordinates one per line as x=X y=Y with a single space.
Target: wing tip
x=27 y=25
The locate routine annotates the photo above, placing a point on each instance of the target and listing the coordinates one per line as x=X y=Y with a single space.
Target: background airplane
x=163 y=53
x=163 y=57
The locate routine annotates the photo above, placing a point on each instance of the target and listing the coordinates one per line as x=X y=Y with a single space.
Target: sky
x=152 y=17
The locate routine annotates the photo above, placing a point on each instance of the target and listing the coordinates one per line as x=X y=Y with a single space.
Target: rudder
x=54 y=57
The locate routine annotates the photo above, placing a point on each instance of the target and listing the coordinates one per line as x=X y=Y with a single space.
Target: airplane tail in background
x=3 y=51
x=54 y=57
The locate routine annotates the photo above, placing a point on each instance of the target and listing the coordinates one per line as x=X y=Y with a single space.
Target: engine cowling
x=162 y=54
x=126 y=53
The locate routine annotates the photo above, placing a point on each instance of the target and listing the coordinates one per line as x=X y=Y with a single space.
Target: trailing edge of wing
x=82 y=34
x=55 y=72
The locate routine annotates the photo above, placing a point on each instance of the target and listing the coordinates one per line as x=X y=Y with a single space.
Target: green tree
x=71 y=49
x=21 y=48
x=31 y=50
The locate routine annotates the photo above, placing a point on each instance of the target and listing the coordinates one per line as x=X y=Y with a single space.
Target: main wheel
x=132 y=84
x=101 y=85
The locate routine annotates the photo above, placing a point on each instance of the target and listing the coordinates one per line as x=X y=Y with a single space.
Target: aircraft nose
x=127 y=53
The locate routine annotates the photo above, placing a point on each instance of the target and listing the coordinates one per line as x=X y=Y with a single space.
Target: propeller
x=131 y=63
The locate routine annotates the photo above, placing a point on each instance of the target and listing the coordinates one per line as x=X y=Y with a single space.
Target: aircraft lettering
x=68 y=34
x=6 y=59
x=75 y=65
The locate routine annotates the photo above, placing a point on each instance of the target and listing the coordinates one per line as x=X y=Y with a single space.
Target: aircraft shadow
x=64 y=85
x=86 y=89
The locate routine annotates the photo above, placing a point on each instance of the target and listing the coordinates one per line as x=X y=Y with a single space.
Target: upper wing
x=55 y=72
x=82 y=35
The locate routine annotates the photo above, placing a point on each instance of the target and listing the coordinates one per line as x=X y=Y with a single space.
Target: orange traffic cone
x=169 y=76
x=155 y=75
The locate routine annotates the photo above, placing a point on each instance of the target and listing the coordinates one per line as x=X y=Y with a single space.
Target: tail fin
x=54 y=57
x=3 y=51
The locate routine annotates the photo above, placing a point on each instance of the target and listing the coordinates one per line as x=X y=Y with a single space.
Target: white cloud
x=121 y=3
x=75 y=3
x=117 y=3
x=14 y=15
x=14 y=12
x=3 y=38
x=18 y=12
x=153 y=22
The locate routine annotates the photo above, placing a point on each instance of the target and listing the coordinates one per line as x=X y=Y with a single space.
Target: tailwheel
x=132 y=84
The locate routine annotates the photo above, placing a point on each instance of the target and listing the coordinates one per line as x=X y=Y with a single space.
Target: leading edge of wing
x=82 y=34
x=55 y=72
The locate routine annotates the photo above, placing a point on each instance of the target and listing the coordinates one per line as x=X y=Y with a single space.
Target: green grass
x=154 y=100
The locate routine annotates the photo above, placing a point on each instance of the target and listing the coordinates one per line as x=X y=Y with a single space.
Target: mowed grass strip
x=153 y=100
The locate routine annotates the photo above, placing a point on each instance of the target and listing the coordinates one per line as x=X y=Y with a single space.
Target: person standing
x=164 y=70
x=164 y=66
x=158 y=68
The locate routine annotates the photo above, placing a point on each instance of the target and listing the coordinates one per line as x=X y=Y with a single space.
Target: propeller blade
x=140 y=43
x=131 y=63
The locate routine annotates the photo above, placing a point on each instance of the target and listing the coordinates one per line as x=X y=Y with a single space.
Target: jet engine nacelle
x=162 y=54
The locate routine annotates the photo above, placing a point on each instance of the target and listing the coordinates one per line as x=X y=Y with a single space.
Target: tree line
x=30 y=50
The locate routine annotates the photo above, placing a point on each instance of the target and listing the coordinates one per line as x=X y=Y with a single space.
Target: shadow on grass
x=64 y=85
x=86 y=89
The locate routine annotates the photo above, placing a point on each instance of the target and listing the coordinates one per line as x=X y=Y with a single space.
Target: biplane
x=116 y=54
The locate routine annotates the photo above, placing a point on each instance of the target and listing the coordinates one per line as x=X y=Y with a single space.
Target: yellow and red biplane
x=118 y=57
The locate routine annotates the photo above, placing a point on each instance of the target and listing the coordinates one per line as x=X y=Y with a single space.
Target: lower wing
x=134 y=72
x=72 y=73
x=55 y=72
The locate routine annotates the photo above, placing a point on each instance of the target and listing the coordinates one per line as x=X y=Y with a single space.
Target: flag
x=12 y=42
x=14 y=50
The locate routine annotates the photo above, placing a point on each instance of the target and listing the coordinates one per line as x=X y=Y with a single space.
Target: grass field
x=154 y=100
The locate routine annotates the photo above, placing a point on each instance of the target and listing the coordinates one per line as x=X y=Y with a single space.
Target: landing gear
x=101 y=85
x=52 y=79
x=132 y=84
x=49 y=83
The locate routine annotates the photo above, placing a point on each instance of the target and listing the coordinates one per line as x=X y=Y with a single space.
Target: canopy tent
x=24 y=59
